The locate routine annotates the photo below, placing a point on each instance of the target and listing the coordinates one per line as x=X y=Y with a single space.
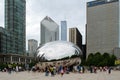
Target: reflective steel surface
x=58 y=49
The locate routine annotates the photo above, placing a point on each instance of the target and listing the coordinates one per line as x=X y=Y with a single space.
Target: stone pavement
x=115 y=75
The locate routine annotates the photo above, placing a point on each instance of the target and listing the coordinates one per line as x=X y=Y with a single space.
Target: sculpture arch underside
x=67 y=62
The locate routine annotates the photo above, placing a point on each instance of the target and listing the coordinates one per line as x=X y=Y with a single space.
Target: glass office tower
x=64 y=30
x=15 y=13
x=49 y=30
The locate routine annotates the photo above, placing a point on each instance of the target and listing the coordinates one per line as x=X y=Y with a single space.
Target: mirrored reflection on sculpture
x=58 y=50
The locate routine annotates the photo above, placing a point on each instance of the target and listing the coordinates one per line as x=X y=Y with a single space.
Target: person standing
x=17 y=68
x=62 y=72
x=9 y=68
x=109 y=70
x=46 y=71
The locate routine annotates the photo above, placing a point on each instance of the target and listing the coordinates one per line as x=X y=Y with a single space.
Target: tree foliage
x=98 y=59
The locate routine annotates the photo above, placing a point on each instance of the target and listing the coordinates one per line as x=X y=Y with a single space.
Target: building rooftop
x=99 y=2
x=49 y=23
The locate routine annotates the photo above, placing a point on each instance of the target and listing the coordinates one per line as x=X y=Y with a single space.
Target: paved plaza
x=115 y=75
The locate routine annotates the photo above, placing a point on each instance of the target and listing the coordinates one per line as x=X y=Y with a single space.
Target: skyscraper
x=15 y=24
x=103 y=30
x=12 y=37
x=49 y=30
x=32 y=47
x=64 y=30
x=75 y=37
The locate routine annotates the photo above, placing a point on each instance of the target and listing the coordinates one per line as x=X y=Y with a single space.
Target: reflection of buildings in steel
x=58 y=49
x=77 y=50
x=41 y=57
x=67 y=62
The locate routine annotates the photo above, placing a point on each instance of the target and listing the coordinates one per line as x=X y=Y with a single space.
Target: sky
x=73 y=11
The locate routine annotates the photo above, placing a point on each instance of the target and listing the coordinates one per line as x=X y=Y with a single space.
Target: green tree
x=97 y=59
x=100 y=60
x=90 y=60
x=3 y=65
x=112 y=60
x=106 y=57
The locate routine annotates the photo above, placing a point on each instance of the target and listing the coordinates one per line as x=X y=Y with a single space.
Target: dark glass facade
x=99 y=2
x=15 y=13
x=75 y=37
x=5 y=41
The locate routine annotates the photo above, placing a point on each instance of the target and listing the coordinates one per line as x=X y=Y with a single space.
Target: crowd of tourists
x=14 y=68
x=52 y=70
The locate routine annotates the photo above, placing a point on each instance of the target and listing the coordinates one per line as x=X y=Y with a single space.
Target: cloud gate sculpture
x=58 y=50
